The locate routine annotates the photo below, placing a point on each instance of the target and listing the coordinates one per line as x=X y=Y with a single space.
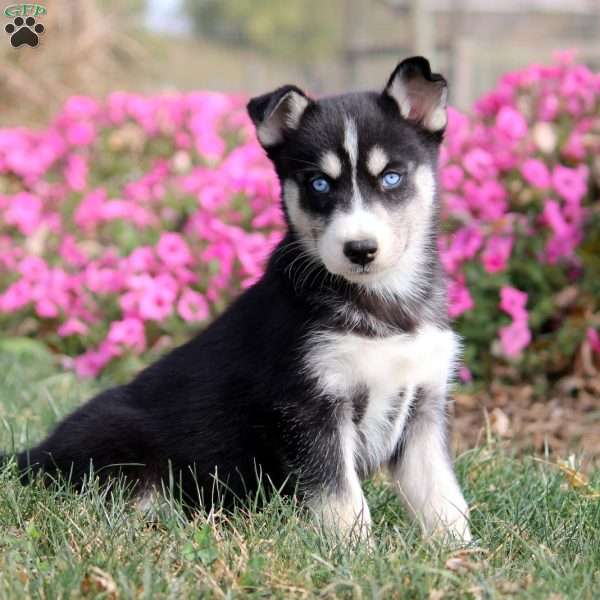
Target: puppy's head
x=358 y=172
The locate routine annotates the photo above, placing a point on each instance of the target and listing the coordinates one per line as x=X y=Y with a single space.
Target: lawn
x=537 y=536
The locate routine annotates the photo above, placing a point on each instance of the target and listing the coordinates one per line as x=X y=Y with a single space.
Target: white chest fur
x=388 y=370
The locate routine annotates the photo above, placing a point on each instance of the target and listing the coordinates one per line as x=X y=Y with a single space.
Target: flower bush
x=127 y=223
x=521 y=239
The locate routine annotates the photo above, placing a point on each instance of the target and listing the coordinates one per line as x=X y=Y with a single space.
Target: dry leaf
x=500 y=423
x=458 y=565
x=462 y=560
x=509 y=587
x=575 y=478
x=104 y=581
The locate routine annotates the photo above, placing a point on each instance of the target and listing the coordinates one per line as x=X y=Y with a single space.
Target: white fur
x=300 y=220
x=351 y=147
x=340 y=362
x=427 y=484
x=359 y=224
x=287 y=113
x=438 y=118
x=399 y=93
x=377 y=160
x=351 y=143
x=331 y=164
x=380 y=434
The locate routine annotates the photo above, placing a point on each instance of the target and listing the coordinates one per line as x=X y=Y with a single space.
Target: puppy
x=337 y=362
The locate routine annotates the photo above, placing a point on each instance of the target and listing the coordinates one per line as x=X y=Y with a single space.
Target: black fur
x=235 y=403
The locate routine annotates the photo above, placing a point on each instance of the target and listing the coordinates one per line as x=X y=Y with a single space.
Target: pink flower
x=451 y=177
x=18 y=295
x=46 y=309
x=72 y=327
x=93 y=361
x=89 y=364
x=455 y=205
x=156 y=303
x=142 y=259
x=574 y=147
x=173 y=250
x=496 y=254
x=129 y=332
x=511 y=123
x=71 y=253
x=548 y=107
x=464 y=374
x=89 y=210
x=25 y=212
x=480 y=164
x=33 y=268
x=513 y=302
x=554 y=218
x=81 y=133
x=536 y=173
x=593 y=339
x=76 y=173
x=570 y=184
x=459 y=299
x=192 y=306
x=514 y=338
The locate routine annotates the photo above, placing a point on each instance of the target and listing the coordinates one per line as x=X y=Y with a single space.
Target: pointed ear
x=420 y=94
x=273 y=113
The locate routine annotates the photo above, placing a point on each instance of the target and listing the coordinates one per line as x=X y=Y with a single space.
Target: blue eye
x=320 y=185
x=391 y=180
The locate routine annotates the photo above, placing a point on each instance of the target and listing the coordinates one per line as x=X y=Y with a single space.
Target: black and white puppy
x=337 y=362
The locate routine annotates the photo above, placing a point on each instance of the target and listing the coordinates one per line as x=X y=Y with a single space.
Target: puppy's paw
x=348 y=521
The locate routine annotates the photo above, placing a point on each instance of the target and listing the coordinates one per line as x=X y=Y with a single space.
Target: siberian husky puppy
x=337 y=362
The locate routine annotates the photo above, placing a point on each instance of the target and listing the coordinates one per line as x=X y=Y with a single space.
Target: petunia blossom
x=514 y=338
x=192 y=306
x=513 y=303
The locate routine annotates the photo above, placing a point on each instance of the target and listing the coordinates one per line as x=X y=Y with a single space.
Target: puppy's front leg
x=424 y=475
x=340 y=505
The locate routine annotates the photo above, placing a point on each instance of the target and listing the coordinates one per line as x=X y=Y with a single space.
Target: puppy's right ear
x=273 y=113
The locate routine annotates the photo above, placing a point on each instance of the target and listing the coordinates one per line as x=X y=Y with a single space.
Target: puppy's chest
x=377 y=380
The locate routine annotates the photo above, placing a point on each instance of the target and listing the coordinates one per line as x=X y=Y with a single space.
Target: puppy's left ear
x=420 y=94
x=276 y=112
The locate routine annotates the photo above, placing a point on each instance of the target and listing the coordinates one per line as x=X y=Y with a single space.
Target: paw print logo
x=24 y=31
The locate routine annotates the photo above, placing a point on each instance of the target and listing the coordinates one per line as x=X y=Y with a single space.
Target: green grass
x=535 y=536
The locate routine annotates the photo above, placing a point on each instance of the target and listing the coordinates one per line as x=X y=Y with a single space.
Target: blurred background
x=96 y=46
x=101 y=186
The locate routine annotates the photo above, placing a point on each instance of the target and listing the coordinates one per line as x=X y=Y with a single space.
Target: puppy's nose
x=361 y=252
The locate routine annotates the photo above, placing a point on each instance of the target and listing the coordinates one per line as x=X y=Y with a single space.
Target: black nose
x=361 y=252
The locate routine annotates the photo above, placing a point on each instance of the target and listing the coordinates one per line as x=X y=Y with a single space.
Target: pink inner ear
x=424 y=97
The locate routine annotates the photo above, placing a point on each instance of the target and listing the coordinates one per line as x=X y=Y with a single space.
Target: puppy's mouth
x=365 y=270
x=360 y=274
